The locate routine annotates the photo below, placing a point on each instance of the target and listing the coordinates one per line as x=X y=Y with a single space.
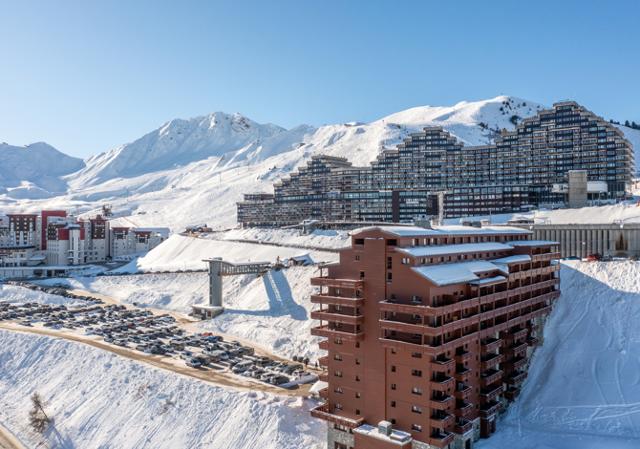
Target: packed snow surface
x=583 y=388
x=99 y=400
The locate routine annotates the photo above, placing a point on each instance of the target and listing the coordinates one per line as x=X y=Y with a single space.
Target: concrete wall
x=580 y=240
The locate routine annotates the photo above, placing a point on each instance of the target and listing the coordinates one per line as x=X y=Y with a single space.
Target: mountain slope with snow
x=99 y=400
x=180 y=142
x=583 y=388
x=34 y=171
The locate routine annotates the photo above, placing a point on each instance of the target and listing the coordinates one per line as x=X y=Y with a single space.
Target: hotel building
x=428 y=332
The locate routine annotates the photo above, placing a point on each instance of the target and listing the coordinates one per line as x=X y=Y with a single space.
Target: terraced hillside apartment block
x=525 y=168
x=428 y=332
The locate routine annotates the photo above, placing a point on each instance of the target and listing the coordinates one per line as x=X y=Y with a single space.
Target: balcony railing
x=442 y=419
x=322 y=412
x=325 y=331
x=337 y=300
x=324 y=345
x=323 y=361
x=325 y=315
x=489 y=408
x=516 y=378
x=441 y=403
x=441 y=438
x=490 y=344
x=490 y=360
x=491 y=392
x=463 y=393
x=441 y=383
x=490 y=376
x=337 y=283
x=462 y=426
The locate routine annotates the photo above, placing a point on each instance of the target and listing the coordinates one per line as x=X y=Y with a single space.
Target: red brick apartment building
x=429 y=332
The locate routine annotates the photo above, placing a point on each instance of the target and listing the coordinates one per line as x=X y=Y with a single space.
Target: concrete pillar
x=215 y=282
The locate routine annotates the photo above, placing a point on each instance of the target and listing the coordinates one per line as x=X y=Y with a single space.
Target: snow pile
x=11 y=293
x=187 y=253
x=583 y=386
x=100 y=400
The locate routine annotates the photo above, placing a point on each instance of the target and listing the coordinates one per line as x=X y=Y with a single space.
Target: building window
x=416 y=355
x=416 y=427
x=337 y=373
x=358 y=394
x=337 y=357
x=416 y=409
x=393 y=386
x=416 y=390
x=357 y=257
x=416 y=372
x=393 y=368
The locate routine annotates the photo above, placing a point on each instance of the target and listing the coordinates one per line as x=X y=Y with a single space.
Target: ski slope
x=583 y=389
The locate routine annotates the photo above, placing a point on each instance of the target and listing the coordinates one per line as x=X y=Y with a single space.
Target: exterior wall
x=577 y=188
x=437 y=361
x=581 y=240
x=517 y=173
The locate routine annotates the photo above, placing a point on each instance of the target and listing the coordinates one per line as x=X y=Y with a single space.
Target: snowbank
x=583 y=389
x=100 y=400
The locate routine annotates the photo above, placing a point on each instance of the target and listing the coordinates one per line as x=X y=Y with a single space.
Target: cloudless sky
x=86 y=76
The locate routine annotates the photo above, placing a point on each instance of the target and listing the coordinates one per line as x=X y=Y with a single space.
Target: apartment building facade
x=428 y=332
x=516 y=173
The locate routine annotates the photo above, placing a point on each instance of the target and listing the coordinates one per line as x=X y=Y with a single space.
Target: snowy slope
x=99 y=400
x=34 y=171
x=180 y=142
x=583 y=389
x=187 y=253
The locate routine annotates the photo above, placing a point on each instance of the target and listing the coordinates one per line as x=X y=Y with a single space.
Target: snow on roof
x=456 y=273
x=485 y=281
x=417 y=231
x=534 y=243
x=436 y=250
x=397 y=437
x=516 y=258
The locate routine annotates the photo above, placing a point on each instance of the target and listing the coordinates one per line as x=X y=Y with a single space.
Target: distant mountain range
x=195 y=170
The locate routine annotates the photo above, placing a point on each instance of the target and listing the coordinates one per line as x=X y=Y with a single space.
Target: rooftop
x=456 y=273
x=417 y=231
x=437 y=250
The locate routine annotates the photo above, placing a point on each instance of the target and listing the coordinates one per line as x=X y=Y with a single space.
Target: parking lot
x=151 y=334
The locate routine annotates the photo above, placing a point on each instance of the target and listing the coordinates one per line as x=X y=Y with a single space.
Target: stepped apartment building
x=428 y=332
x=524 y=169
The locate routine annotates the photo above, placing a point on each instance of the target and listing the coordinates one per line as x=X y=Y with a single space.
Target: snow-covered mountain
x=34 y=171
x=195 y=170
x=180 y=142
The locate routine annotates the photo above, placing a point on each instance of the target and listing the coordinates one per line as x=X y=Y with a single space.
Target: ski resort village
x=385 y=250
x=463 y=289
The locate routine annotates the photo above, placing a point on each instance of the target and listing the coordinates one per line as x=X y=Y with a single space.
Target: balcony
x=489 y=408
x=463 y=409
x=490 y=360
x=324 y=393
x=399 y=326
x=532 y=341
x=442 y=364
x=323 y=361
x=463 y=393
x=323 y=376
x=490 y=376
x=322 y=412
x=462 y=375
x=441 y=382
x=463 y=356
x=442 y=419
x=349 y=284
x=441 y=402
x=512 y=393
x=517 y=349
x=325 y=331
x=516 y=378
x=335 y=317
x=440 y=438
x=490 y=393
x=490 y=344
x=545 y=256
x=324 y=345
x=462 y=426
x=337 y=300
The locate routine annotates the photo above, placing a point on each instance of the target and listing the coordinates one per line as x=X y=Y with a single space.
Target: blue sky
x=87 y=76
